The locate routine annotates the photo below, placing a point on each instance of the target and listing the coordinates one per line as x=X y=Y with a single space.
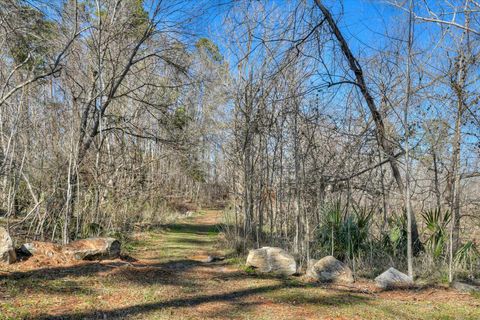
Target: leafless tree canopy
x=119 y=113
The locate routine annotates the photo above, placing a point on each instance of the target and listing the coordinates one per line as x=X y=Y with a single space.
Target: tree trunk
x=383 y=142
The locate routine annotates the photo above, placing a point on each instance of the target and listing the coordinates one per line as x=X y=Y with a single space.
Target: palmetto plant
x=343 y=234
x=468 y=256
x=330 y=230
x=356 y=229
x=436 y=223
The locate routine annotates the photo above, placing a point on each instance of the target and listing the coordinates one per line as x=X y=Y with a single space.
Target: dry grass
x=170 y=281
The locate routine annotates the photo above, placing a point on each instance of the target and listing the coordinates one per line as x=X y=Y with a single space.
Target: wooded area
x=117 y=114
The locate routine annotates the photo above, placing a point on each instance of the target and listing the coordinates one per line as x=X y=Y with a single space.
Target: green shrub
x=468 y=257
x=343 y=234
x=436 y=224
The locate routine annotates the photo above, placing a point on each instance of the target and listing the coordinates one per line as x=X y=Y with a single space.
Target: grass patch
x=317 y=297
x=235 y=261
x=133 y=245
x=249 y=270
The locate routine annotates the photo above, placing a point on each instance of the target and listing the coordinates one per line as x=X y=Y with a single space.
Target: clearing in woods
x=171 y=280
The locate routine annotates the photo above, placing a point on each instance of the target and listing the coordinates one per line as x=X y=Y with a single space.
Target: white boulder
x=329 y=269
x=272 y=260
x=392 y=278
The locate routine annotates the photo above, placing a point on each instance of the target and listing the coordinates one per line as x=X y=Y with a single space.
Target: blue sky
x=365 y=23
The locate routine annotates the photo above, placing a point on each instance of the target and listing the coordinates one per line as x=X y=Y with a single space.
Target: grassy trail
x=171 y=280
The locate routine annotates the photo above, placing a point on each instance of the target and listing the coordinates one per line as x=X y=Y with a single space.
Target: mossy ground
x=170 y=280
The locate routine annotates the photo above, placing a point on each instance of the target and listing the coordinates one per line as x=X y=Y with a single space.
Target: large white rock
x=272 y=260
x=392 y=278
x=329 y=269
x=7 y=250
x=93 y=248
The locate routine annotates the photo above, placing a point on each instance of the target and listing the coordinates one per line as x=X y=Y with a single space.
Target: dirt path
x=171 y=280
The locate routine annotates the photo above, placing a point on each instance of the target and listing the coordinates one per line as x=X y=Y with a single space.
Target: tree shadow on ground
x=170 y=273
x=198 y=229
x=234 y=298
x=64 y=288
x=195 y=242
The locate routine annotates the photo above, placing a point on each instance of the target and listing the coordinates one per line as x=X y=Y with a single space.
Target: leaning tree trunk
x=386 y=145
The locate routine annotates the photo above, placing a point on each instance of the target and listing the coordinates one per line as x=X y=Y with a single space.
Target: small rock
x=211 y=259
x=465 y=287
x=392 y=278
x=272 y=260
x=329 y=269
x=7 y=250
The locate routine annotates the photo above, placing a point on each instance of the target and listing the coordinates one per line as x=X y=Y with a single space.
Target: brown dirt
x=170 y=280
